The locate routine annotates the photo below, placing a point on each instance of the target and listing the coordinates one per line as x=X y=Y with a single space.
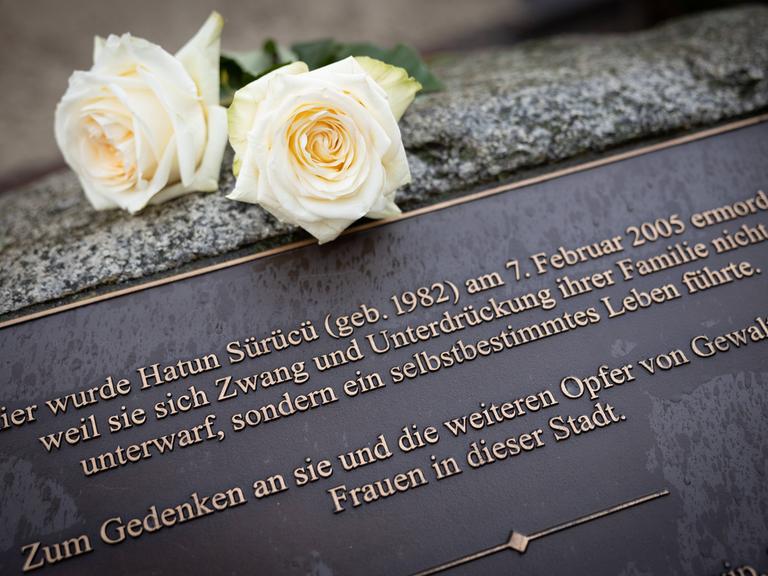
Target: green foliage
x=402 y=56
x=237 y=69
x=318 y=53
x=241 y=68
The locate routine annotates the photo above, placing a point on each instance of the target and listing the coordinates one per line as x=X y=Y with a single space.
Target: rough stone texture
x=503 y=111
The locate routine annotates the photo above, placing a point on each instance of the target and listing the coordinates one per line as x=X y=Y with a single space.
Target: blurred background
x=44 y=40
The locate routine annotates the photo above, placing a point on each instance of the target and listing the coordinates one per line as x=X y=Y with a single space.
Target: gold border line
x=519 y=542
x=418 y=212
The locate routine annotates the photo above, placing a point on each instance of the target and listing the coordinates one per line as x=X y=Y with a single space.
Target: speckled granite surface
x=503 y=111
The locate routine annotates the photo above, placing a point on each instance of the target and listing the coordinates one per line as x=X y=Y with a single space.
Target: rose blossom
x=143 y=126
x=322 y=149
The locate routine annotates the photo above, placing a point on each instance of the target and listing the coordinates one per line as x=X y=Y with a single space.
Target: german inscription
x=416 y=391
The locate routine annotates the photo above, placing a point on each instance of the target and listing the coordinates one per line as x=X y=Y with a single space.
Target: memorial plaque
x=568 y=375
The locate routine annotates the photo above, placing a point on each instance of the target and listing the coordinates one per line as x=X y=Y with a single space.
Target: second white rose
x=322 y=149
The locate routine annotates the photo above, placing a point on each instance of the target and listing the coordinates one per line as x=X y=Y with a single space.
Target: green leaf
x=232 y=76
x=238 y=69
x=241 y=68
x=317 y=53
x=280 y=55
x=401 y=55
x=406 y=57
x=323 y=52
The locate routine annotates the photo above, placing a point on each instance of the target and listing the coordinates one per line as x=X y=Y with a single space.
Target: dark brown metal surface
x=699 y=431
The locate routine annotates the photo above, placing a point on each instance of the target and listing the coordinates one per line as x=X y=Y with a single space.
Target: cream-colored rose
x=322 y=149
x=143 y=126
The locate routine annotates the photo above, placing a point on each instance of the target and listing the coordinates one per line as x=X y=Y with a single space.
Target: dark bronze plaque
x=489 y=423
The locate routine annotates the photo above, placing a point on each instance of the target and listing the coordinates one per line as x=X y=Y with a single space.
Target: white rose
x=322 y=149
x=143 y=126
